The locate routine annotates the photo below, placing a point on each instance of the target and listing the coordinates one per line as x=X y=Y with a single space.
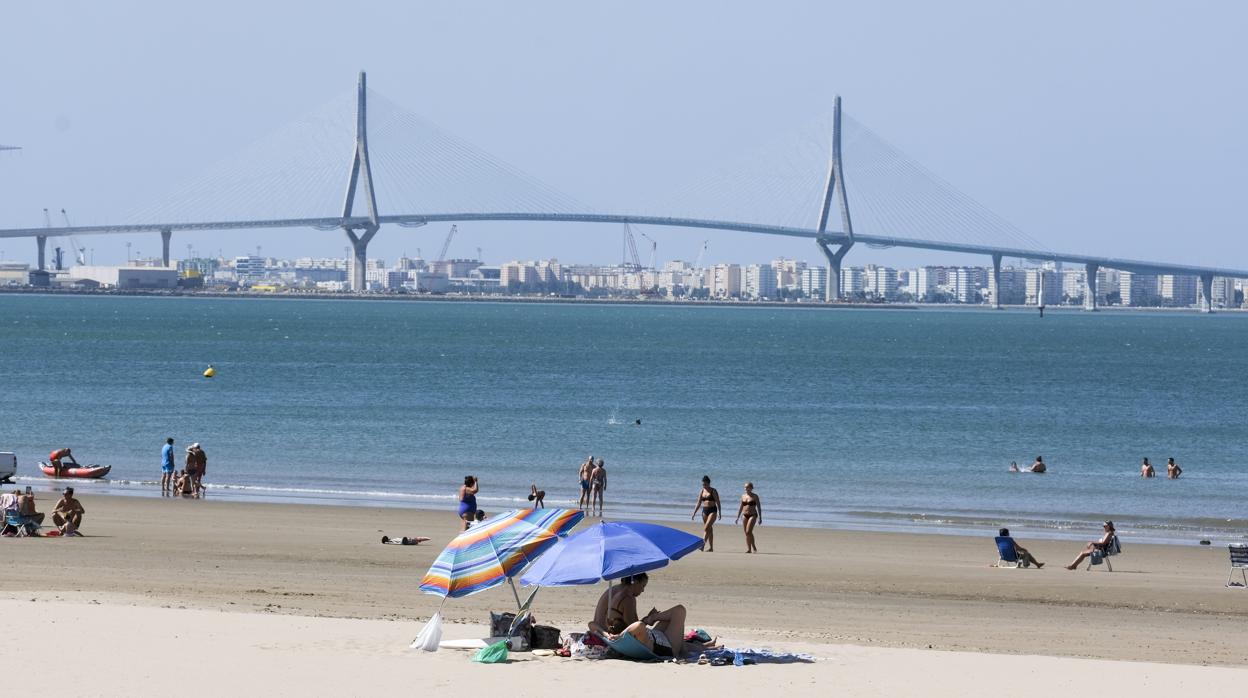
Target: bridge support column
x=42 y=242
x=833 y=290
x=1089 y=285
x=165 y=236
x=1206 y=289
x=996 y=282
x=361 y=174
x=359 y=251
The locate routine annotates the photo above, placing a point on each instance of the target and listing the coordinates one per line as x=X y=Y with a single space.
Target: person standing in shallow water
x=597 y=486
x=468 y=501
x=166 y=466
x=751 y=510
x=1173 y=471
x=1146 y=469
x=708 y=502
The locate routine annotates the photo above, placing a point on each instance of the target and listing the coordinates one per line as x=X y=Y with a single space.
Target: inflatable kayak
x=78 y=471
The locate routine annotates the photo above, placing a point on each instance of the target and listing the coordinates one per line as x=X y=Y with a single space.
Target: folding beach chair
x=1008 y=556
x=1114 y=548
x=628 y=646
x=1239 y=561
x=24 y=525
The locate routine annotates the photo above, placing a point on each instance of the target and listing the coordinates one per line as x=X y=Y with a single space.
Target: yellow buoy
x=210 y=371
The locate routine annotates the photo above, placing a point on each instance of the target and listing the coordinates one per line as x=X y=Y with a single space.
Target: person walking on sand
x=751 y=509
x=468 y=501
x=583 y=478
x=1146 y=469
x=597 y=486
x=708 y=502
x=166 y=466
x=1173 y=471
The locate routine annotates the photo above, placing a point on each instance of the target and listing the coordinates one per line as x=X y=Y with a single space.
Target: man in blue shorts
x=166 y=466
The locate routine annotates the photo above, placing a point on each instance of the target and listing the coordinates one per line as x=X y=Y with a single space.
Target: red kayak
x=77 y=471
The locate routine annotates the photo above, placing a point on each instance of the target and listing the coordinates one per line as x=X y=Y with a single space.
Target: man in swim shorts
x=166 y=465
x=586 y=467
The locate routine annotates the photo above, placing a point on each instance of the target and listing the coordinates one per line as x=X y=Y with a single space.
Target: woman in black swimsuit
x=708 y=502
x=752 y=509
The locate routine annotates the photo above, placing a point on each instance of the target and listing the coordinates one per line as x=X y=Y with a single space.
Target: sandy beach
x=302 y=598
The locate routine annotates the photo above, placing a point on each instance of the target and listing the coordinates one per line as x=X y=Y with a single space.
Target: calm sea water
x=854 y=418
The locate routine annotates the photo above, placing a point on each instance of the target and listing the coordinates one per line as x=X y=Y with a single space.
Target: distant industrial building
x=128 y=277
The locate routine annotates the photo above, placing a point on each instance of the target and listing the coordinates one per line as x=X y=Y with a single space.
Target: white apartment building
x=788 y=273
x=1177 y=290
x=853 y=282
x=880 y=282
x=1138 y=289
x=760 y=281
x=814 y=282
x=1044 y=287
x=725 y=281
x=965 y=283
x=928 y=281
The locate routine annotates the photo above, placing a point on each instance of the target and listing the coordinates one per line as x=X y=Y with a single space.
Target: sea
x=874 y=419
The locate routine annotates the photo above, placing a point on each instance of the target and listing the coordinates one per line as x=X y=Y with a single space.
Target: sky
x=1113 y=128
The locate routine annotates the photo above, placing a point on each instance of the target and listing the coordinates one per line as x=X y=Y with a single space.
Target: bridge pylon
x=835 y=188
x=360 y=235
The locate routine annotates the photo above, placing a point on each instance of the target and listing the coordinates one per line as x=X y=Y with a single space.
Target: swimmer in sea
x=1037 y=467
x=1146 y=469
x=1173 y=471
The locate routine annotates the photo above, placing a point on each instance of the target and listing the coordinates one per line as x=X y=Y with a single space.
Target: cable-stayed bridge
x=403 y=170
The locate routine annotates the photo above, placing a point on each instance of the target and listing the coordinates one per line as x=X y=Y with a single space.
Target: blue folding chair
x=24 y=525
x=1008 y=555
x=629 y=646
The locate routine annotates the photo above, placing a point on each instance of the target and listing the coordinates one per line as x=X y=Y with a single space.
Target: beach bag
x=544 y=637
x=430 y=635
x=500 y=625
x=493 y=654
x=1097 y=557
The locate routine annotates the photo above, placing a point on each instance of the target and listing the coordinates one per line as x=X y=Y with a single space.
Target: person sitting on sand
x=1173 y=471
x=183 y=484
x=1019 y=551
x=477 y=517
x=1146 y=469
x=538 y=497
x=1037 y=467
x=661 y=632
x=68 y=513
x=1107 y=538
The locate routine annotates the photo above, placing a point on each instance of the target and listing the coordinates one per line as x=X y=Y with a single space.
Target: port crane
x=654 y=248
x=630 y=251
x=447 y=245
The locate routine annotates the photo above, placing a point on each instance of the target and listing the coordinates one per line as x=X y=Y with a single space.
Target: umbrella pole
x=512 y=582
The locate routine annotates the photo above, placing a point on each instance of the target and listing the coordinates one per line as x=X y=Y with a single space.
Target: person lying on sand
x=405 y=540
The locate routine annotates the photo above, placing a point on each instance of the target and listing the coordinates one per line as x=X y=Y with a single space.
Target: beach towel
x=742 y=657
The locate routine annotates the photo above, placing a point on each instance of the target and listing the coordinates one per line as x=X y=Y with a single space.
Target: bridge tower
x=360 y=234
x=835 y=188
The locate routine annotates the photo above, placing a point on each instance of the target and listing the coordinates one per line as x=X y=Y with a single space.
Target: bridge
x=361 y=227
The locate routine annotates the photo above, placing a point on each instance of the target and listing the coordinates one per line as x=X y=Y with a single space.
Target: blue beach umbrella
x=609 y=551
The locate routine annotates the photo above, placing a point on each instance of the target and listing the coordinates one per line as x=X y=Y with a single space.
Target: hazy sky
x=1114 y=128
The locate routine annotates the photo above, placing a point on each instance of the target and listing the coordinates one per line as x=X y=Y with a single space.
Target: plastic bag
x=430 y=635
x=493 y=654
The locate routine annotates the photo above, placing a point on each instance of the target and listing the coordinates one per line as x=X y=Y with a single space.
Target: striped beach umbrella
x=492 y=551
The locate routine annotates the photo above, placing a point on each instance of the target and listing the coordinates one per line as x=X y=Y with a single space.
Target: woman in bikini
x=468 y=501
x=661 y=632
x=752 y=509
x=708 y=502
